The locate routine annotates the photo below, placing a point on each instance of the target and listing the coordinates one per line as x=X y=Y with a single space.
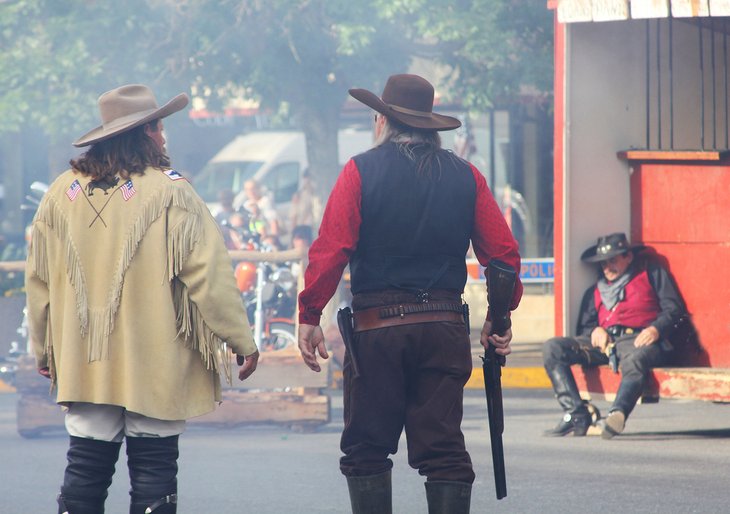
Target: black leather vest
x=415 y=230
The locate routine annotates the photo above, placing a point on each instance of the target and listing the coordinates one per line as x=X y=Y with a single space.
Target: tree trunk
x=11 y=171
x=320 y=128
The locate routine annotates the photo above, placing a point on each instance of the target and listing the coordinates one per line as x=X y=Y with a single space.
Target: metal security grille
x=711 y=67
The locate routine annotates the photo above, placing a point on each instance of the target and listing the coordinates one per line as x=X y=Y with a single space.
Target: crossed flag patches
x=127 y=189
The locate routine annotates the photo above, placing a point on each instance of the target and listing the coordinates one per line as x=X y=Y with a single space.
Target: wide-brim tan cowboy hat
x=609 y=246
x=408 y=99
x=127 y=107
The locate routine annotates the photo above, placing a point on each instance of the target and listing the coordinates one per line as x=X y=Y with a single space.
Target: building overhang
x=573 y=11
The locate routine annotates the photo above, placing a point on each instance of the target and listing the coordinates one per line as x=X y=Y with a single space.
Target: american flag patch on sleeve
x=128 y=190
x=73 y=190
x=173 y=175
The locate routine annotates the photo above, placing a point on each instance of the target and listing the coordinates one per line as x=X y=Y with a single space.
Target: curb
x=528 y=377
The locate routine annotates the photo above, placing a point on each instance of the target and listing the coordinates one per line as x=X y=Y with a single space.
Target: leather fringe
x=98 y=321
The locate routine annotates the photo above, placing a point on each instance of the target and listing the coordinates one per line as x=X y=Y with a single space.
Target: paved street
x=673 y=458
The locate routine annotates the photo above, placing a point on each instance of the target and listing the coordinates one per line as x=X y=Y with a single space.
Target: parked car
x=274 y=159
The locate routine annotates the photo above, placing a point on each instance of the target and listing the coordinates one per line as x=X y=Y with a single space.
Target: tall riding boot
x=371 y=494
x=448 y=497
x=628 y=394
x=152 y=465
x=88 y=476
x=577 y=417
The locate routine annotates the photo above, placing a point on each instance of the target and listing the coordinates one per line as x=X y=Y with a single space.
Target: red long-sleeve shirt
x=338 y=236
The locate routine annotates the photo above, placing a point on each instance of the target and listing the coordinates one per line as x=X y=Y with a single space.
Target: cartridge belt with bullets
x=407 y=314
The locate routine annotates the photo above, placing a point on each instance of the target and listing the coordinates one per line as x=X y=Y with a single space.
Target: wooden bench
x=694 y=383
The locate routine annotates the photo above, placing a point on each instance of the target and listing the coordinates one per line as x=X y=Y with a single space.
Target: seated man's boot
x=448 y=497
x=371 y=494
x=576 y=422
x=614 y=424
x=579 y=414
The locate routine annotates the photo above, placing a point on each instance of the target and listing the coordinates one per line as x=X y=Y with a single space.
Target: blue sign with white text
x=537 y=270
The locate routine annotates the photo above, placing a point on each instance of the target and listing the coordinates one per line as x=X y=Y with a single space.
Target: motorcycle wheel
x=281 y=336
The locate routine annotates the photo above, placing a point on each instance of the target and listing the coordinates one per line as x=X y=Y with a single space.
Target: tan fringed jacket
x=131 y=295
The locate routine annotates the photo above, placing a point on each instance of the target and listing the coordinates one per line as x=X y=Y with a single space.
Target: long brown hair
x=408 y=139
x=127 y=153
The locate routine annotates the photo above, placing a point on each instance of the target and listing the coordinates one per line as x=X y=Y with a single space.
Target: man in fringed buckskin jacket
x=131 y=298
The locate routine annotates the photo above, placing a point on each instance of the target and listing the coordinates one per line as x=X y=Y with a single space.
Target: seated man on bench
x=625 y=320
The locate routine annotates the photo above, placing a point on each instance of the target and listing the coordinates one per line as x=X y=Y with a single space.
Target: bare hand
x=600 y=338
x=646 y=337
x=248 y=364
x=501 y=343
x=311 y=338
x=45 y=372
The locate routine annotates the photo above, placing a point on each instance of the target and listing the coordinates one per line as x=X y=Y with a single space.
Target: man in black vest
x=403 y=214
x=625 y=320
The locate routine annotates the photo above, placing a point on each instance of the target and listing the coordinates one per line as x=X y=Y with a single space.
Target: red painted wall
x=558 y=170
x=682 y=211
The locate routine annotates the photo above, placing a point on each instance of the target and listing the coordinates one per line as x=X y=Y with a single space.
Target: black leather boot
x=577 y=416
x=448 y=497
x=371 y=494
x=88 y=476
x=576 y=422
x=152 y=465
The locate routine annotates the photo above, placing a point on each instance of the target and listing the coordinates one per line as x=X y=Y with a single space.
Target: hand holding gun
x=501 y=279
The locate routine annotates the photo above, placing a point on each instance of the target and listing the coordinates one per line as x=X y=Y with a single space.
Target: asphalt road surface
x=673 y=458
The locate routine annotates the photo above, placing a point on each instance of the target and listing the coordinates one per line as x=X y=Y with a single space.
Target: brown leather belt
x=407 y=314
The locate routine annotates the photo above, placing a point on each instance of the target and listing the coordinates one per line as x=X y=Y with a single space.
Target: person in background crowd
x=403 y=214
x=226 y=209
x=306 y=208
x=625 y=320
x=262 y=209
x=130 y=301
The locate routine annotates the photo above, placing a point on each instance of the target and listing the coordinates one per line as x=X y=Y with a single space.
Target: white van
x=276 y=160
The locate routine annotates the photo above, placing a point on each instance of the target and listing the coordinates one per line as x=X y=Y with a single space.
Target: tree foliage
x=303 y=54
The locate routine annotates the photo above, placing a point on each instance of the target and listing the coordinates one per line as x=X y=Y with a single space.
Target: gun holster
x=465 y=312
x=612 y=357
x=347 y=331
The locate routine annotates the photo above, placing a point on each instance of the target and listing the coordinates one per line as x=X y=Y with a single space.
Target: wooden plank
x=601 y=380
x=38 y=414
x=242 y=408
x=570 y=11
x=610 y=10
x=284 y=369
x=690 y=8
x=282 y=256
x=694 y=383
x=673 y=155
x=641 y=9
x=720 y=7
x=12 y=265
x=709 y=384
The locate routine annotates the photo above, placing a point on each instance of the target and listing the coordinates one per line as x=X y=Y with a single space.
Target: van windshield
x=217 y=176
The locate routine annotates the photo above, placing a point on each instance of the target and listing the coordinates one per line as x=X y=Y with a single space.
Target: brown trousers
x=411 y=377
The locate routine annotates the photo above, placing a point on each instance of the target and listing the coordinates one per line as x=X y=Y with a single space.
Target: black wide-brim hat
x=609 y=246
x=408 y=99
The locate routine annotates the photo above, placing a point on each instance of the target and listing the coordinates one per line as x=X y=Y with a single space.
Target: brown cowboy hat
x=408 y=99
x=127 y=107
x=609 y=246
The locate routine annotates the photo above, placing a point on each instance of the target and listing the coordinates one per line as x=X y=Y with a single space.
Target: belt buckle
x=629 y=331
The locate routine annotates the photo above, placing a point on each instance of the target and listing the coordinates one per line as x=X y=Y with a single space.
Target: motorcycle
x=269 y=296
